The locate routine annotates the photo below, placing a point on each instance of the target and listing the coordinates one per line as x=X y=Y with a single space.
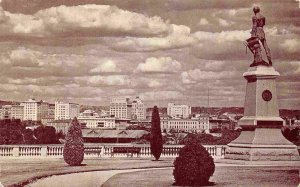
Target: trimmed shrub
x=74 y=147
x=156 y=140
x=194 y=166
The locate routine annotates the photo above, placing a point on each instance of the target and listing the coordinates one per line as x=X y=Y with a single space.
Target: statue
x=257 y=36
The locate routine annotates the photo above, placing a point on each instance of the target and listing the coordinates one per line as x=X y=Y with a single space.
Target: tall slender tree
x=74 y=147
x=156 y=140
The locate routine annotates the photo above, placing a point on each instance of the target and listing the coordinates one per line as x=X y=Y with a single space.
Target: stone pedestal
x=261 y=137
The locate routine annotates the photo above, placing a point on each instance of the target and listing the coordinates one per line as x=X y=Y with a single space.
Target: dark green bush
x=194 y=166
x=74 y=147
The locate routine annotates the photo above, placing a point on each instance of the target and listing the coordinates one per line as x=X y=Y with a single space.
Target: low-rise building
x=60 y=125
x=112 y=136
x=217 y=123
x=45 y=120
x=198 y=124
x=92 y=120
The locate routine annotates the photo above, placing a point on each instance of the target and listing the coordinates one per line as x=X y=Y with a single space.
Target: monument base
x=262 y=144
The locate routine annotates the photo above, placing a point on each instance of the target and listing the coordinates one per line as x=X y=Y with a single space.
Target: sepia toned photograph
x=149 y=93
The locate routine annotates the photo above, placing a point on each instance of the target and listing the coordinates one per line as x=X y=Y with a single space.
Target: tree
x=74 y=147
x=28 y=137
x=194 y=165
x=156 y=140
x=45 y=135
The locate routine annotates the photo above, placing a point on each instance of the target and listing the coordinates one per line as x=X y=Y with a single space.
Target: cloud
x=186 y=78
x=179 y=37
x=161 y=95
x=203 y=21
x=224 y=23
x=108 y=66
x=161 y=64
x=126 y=92
x=97 y=80
x=24 y=58
x=224 y=36
x=83 y=20
x=198 y=75
x=153 y=83
x=291 y=45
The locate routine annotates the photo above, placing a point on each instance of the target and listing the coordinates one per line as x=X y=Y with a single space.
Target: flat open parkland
x=108 y=172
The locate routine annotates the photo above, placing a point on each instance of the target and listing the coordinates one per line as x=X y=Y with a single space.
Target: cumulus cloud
x=83 y=20
x=97 y=80
x=161 y=64
x=161 y=95
x=224 y=36
x=198 y=75
x=106 y=67
x=203 y=21
x=223 y=22
x=154 y=83
x=291 y=45
x=22 y=57
x=179 y=37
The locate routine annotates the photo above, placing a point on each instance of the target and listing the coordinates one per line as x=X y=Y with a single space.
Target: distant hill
x=7 y=103
x=95 y=108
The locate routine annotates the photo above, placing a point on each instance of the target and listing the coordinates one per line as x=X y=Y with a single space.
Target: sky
x=87 y=51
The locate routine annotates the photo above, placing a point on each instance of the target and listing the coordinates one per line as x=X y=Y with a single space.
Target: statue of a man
x=259 y=22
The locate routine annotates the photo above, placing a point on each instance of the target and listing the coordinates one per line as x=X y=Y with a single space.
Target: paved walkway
x=96 y=178
x=23 y=171
x=225 y=175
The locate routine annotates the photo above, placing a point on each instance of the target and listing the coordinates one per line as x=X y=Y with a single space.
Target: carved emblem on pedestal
x=267 y=95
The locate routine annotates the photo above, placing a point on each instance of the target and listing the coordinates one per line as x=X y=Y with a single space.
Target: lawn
x=223 y=176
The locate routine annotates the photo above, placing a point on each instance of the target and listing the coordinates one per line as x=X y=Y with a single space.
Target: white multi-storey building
x=196 y=124
x=92 y=120
x=35 y=110
x=120 y=107
x=138 y=109
x=65 y=110
x=6 y=112
x=17 y=112
x=12 y=112
x=178 y=111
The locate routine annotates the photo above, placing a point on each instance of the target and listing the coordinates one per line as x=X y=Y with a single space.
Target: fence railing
x=96 y=150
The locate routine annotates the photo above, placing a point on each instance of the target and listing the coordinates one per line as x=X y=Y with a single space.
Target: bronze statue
x=258 y=34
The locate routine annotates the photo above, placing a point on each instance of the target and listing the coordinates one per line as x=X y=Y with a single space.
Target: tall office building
x=66 y=110
x=178 y=111
x=138 y=109
x=120 y=108
x=35 y=110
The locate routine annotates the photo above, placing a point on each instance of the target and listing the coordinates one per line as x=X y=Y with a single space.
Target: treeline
x=14 y=132
x=208 y=139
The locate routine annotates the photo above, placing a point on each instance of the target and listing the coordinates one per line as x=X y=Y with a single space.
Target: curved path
x=272 y=175
x=95 y=178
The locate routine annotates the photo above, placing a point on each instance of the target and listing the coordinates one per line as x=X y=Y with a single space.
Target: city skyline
x=161 y=51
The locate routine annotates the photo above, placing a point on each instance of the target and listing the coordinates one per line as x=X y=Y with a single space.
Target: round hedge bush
x=74 y=147
x=194 y=166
